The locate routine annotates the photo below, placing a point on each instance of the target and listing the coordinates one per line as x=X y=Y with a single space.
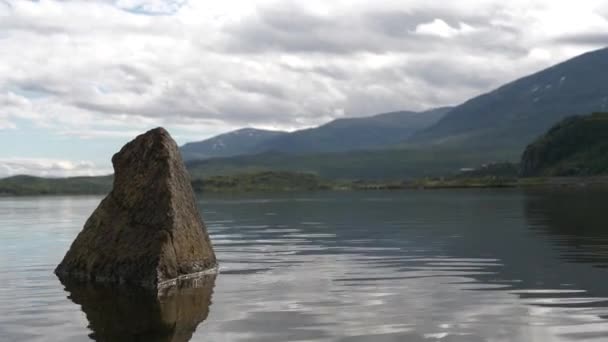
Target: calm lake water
x=455 y=265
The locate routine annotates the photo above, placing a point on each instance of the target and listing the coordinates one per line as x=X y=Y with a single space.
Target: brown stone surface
x=148 y=229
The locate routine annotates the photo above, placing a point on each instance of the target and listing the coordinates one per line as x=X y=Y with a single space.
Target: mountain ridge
x=519 y=111
x=505 y=119
x=229 y=144
x=339 y=135
x=361 y=133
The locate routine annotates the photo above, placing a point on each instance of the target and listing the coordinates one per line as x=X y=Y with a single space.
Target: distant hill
x=513 y=115
x=242 y=141
x=243 y=182
x=347 y=134
x=29 y=185
x=577 y=146
x=387 y=164
x=261 y=181
x=378 y=131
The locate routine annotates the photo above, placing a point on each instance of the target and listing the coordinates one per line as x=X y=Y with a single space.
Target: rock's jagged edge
x=187 y=279
x=147 y=231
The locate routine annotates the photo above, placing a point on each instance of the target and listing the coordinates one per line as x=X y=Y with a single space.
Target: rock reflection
x=133 y=314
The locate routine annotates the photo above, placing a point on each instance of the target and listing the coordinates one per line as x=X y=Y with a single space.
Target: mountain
x=516 y=113
x=382 y=130
x=378 y=131
x=502 y=121
x=385 y=164
x=577 y=146
x=242 y=141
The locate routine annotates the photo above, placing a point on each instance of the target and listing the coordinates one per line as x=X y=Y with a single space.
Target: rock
x=148 y=230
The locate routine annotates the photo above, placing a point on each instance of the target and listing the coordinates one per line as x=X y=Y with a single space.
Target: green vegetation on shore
x=29 y=185
x=577 y=146
x=380 y=165
x=262 y=181
x=271 y=181
x=248 y=182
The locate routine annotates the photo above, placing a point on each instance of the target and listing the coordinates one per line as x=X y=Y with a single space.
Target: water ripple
x=395 y=266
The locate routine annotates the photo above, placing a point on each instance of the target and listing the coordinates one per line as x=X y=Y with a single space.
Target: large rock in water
x=147 y=231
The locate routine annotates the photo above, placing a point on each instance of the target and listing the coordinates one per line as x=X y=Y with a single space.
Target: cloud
x=151 y=7
x=441 y=29
x=592 y=39
x=5 y=124
x=87 y=68
x=49 y=167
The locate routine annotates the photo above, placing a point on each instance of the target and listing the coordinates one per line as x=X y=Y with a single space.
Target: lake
x=442 y=265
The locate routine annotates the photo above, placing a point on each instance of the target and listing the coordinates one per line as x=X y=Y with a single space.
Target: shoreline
x=532 y=182
x=421 y=184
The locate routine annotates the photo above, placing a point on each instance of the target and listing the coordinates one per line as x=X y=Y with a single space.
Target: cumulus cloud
x=90 y=68
x=7 y=125
x=151 y=7
x=48 y=167
x=440 y=28
x=592 y=39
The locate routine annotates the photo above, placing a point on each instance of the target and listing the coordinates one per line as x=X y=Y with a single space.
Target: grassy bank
x=31 y=186
x=498 y=182
x=274 y=181
x=267 y=181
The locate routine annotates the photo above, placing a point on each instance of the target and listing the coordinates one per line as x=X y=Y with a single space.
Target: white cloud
x=211 y=66
x=440 y=28
x=151 y=6
x=49 y=168
x=4 y=124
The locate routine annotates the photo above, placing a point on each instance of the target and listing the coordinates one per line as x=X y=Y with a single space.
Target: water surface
x=457 y=265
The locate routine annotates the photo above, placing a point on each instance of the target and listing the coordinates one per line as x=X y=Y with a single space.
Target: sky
x=78 y=79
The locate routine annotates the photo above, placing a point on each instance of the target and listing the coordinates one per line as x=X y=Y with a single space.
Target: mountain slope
x=349 y=134
x=387 y=164
x=577 y=146
x=514 y=114
x=234 y=143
